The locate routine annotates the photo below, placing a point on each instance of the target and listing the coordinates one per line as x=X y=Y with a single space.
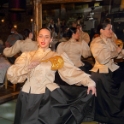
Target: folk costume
x=109 y=82
x=75 y=50
x=43 y=101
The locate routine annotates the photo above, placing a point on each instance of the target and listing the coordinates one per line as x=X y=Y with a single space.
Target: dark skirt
x=65 y=105
x=109 y=103
x=87 y=67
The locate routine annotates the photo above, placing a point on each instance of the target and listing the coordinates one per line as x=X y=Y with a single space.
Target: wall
x=22 y=20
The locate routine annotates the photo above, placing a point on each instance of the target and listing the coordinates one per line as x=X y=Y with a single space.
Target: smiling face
x=44 y=38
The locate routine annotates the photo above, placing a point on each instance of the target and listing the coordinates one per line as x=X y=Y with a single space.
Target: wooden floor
x=93 y=122
x=8 y=94
x=8 y=99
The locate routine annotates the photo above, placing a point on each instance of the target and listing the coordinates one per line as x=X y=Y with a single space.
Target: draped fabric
x=65 y=105
x=109 y=78
x=109 y=102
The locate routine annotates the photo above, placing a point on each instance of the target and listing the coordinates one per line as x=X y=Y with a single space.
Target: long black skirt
x=87 y=67
x=64 y=105
x=109 y=103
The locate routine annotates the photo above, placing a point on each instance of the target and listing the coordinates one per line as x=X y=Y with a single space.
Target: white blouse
x=104 y=51
x=43 y=75
x=75 y=50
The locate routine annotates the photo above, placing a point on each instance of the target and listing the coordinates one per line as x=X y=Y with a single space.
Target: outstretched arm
x=74 y=76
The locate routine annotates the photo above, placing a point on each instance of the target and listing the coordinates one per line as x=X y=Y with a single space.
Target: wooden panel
x=63 y=1
x=50 y=7
x=113 y=2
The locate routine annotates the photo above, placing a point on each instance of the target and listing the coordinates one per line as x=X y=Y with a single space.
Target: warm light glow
x=31 y=20
x=96 y=4
x=122 y=4
x=15 y=26
x=2 y=20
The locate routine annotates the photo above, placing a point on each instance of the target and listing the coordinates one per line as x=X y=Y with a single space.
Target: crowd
x=60 y=87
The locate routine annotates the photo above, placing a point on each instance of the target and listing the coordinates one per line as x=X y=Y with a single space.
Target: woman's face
x=44 y=38
x=107 y=32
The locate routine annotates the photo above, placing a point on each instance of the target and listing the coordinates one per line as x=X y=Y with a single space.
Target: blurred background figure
x=27 y=44
x=4 y=64
x=13 y=37
x=52 y=26
x=83 y=35
x=1 y=46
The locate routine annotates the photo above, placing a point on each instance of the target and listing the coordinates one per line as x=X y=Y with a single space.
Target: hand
x=33 y=64
x=93 y=89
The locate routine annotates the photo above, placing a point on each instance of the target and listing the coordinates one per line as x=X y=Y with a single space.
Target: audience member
x=52 y=26
x=4 y=65
x=13 y=37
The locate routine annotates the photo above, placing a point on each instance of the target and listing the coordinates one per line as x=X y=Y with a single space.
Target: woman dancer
x=108 y=77
x=41 y=100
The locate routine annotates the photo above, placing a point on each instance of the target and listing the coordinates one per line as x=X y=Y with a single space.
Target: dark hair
x=26 y=33
x=103 y=25
x=46 y=29
x=71 y=31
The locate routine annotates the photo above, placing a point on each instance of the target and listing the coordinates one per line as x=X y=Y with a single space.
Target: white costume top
x=20 y=46
x=43 y=75
x=75 y=50
x=104 y=50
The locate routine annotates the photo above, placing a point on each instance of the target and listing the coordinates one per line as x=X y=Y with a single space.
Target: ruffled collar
x=43 y=50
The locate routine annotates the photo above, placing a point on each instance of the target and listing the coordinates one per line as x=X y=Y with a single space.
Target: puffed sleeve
x=11 y=51
x=18 y=72
x=101 y=52
x=60 y=48
x=73 y=75
x=85 y=49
